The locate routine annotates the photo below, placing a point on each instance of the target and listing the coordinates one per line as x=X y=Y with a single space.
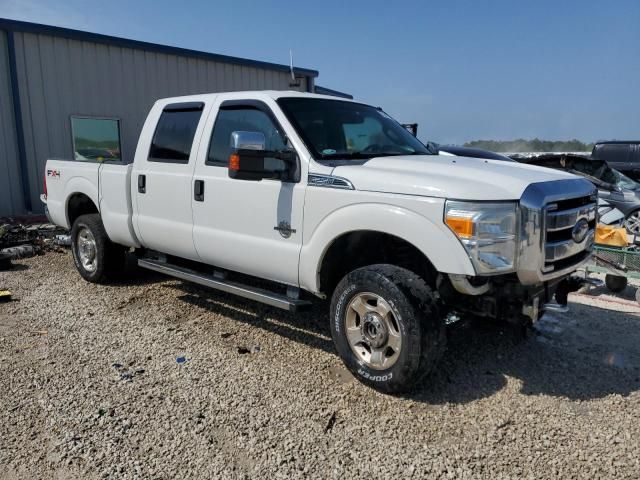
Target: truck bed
x=107 y=185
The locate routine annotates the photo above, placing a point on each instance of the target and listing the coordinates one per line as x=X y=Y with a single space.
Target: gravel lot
x=154 y=378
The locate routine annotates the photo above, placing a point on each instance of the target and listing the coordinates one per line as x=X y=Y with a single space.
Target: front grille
x=561 y=250
x=549 y=212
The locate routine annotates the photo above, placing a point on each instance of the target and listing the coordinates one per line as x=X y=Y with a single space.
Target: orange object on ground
x=612 y=236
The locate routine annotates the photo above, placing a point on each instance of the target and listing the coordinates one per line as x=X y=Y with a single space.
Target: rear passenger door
x=161 y=180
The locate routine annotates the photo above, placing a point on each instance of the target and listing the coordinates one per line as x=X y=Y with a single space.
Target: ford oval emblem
x=580 y=230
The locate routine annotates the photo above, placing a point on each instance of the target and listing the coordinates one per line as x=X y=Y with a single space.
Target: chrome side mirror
x=248 y=140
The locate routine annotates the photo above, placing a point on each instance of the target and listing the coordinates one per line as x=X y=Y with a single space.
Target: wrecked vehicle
x=624 y=156
x=613 y=186
x=472 y=152
x=314 y=197
x=24 y=240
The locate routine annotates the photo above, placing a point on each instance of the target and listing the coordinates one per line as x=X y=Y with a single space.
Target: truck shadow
x=588 y=353
x=134 y=275
x=307 y=327
x=585 y=354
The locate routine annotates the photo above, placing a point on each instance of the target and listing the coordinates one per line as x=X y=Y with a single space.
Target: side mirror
x=248 y=141
x=248 y=160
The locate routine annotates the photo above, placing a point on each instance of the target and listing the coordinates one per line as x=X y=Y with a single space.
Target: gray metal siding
x=59 y=77
x=10 y=183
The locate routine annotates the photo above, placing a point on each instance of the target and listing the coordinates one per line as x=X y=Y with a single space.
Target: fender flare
x=82 y=186
x=436 y=242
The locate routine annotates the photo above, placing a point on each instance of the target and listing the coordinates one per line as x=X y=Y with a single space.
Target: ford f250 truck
x=282 y=197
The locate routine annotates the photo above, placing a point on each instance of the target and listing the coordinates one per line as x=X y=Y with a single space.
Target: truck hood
x=442 y=176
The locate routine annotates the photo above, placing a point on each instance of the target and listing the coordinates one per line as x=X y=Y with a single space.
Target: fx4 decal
x=53 y=173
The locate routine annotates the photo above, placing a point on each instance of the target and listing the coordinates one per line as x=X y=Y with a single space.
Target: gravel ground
x=154 y=378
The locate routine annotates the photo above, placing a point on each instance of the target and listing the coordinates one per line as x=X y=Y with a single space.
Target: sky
x=463 y=70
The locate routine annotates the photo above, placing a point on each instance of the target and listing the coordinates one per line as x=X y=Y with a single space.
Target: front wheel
x=386 y=326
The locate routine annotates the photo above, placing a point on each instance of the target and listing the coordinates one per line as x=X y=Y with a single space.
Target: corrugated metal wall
x=10 y=183
x=60 y=77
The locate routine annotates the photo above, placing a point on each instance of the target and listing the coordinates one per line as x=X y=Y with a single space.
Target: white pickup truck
x=309 y=196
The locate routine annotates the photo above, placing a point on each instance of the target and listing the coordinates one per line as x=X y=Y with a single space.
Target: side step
x=258 y=294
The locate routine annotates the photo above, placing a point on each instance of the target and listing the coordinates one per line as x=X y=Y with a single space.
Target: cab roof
x=250 y=94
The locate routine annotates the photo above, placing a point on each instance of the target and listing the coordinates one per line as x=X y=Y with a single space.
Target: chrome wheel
x=87 y=250
x=632 y=223
x=373 y=331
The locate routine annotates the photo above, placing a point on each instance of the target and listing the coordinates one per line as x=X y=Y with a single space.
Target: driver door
x=254 y=227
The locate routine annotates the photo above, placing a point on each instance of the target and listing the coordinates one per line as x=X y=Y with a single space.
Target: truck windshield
x=339 y=130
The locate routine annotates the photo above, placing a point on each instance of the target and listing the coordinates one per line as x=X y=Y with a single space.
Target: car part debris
x=62 y=240
x=5 y=296
x=22 y=251
x=608 y=214
x=40 y=236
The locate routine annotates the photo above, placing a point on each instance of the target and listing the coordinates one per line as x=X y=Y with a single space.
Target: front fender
x=434 y=240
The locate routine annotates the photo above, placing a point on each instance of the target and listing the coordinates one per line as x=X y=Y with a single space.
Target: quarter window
x=96 y=139
x=246 y=119
x=174 y=133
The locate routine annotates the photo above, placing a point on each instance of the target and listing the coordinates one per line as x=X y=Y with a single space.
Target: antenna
x=295 y=82
x=293 y=76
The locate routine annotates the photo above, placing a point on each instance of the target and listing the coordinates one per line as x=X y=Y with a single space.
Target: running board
x=252 y=293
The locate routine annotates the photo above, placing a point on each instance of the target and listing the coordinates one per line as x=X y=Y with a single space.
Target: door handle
x=142 y=184
x=198 y=191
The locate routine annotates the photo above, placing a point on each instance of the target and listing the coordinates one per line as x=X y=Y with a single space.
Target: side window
x=96 y=139
x=175 y=132
x=245 y=119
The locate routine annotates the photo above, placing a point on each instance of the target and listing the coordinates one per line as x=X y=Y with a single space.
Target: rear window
x=612 y=153
x=175 y=132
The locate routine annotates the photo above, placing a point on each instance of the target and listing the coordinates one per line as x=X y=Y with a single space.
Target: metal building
x=51 y=77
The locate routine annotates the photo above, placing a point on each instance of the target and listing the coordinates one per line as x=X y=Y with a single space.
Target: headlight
x=487 y=231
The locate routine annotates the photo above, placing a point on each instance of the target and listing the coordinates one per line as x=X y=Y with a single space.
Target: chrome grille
x=549 y=213
x=559 y=245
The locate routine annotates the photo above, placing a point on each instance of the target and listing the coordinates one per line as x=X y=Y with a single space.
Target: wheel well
x=358 y=249
x=79 y=204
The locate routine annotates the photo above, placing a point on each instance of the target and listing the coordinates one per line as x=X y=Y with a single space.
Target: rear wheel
x=386 y=326
x=95 y=256
x=615 y=283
